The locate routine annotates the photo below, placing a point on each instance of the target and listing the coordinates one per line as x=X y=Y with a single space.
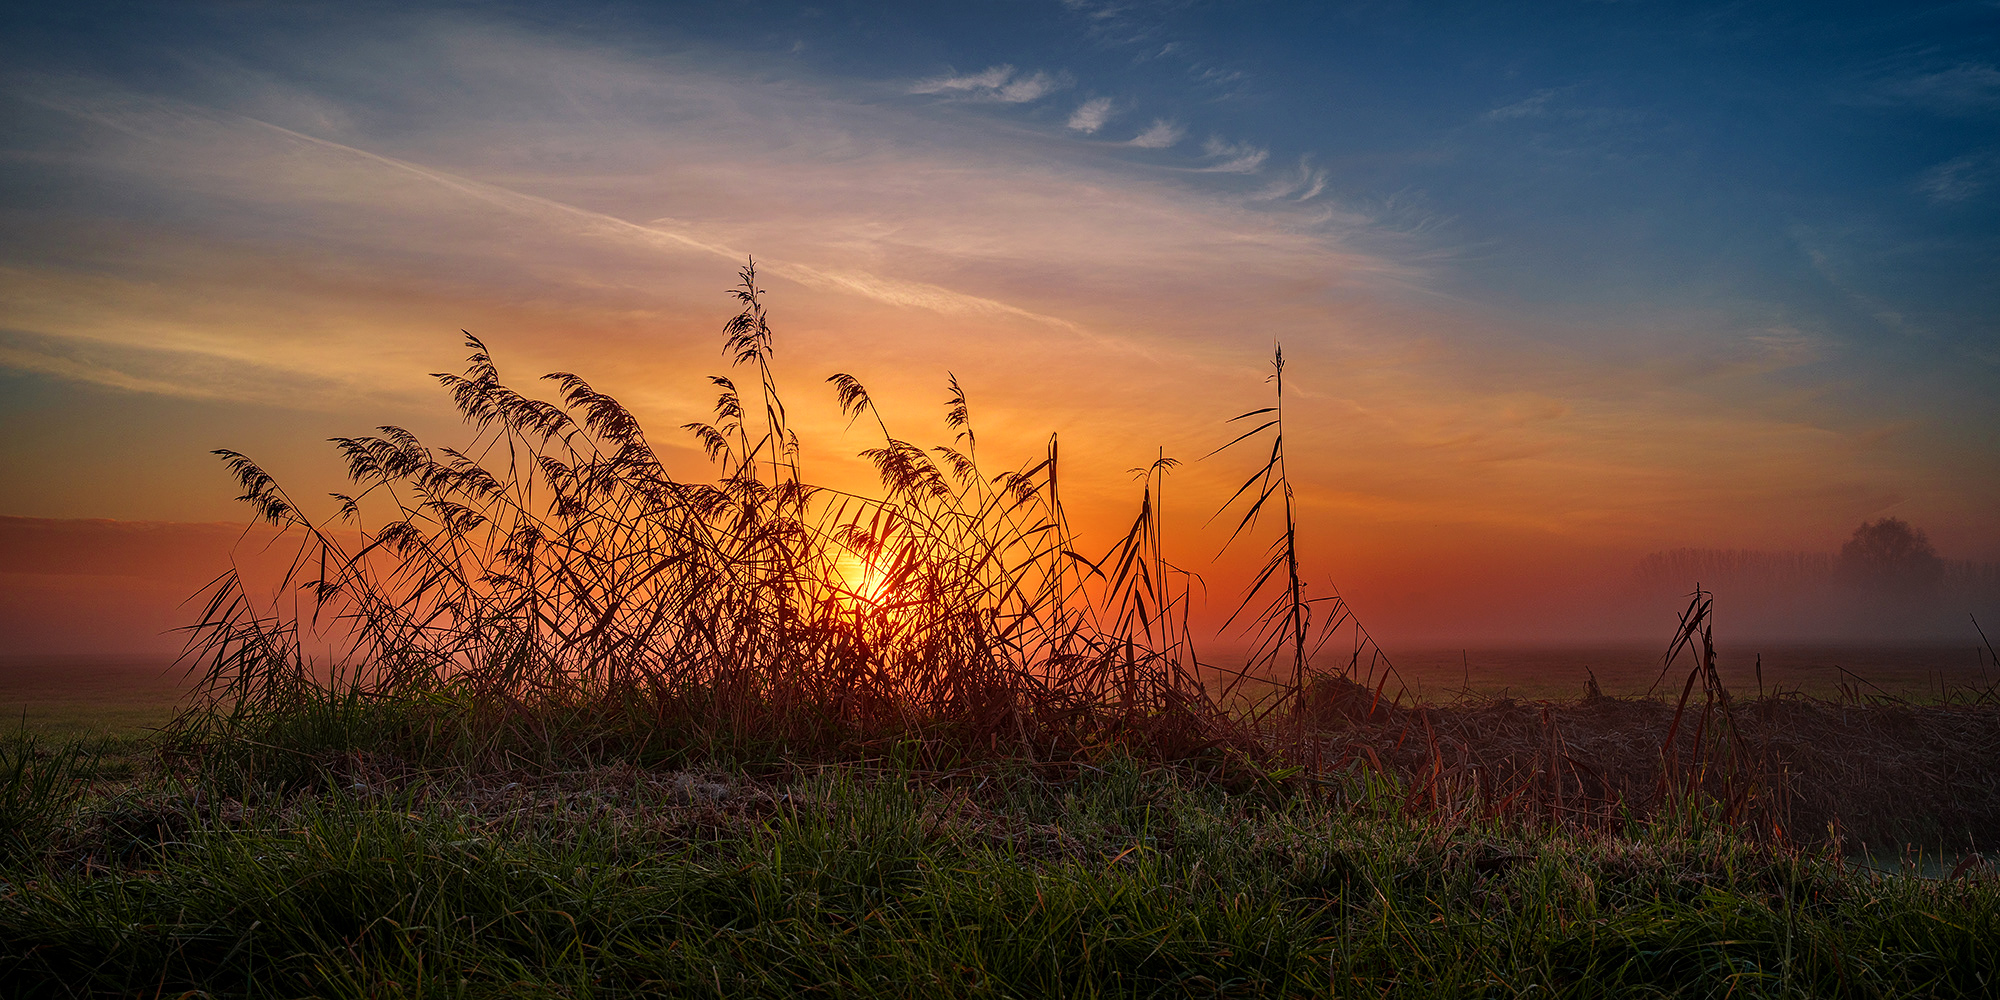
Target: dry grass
x=1862 y=774
x=1861 y=771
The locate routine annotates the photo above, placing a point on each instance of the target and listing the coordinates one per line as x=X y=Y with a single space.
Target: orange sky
x=268 y=268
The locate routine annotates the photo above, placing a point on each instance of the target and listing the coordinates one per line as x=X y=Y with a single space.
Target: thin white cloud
x=1159 y=135
x=883 y=289
x=1215 y=76
x=982 y=232
x=1959 y=179
x=1091 y=115
x=996 y=83
x=1032 y=88
x=1301 y=184
x=95 y=371
x=1116 y=25
x=1096 y=11
x=993 y=78
x=1234 y=158
x=1532 y=107
x=182 y=371
x=1964 y=87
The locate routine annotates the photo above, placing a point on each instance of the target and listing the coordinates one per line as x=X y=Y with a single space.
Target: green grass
x=1112 y=880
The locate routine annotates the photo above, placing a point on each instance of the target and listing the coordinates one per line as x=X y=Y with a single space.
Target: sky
x=1557 y=284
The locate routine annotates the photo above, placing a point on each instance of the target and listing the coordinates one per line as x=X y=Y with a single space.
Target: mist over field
x=98 y=587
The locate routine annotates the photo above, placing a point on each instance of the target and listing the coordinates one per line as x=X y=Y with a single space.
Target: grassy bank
x=1108 y=878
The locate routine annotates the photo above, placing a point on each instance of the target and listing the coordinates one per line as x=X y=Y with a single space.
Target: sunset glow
x=1556 y=290
x=862 y=582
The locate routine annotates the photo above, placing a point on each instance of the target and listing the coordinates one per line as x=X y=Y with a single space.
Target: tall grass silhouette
x=549 y=588
x=1288 y=629
x=553 y=565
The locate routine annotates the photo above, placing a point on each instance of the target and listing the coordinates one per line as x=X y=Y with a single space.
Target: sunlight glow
x=860 y=581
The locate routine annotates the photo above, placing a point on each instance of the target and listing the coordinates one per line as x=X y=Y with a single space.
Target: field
x=70 y=697
x=531 y=717
x=348 y=850
x=380 y=878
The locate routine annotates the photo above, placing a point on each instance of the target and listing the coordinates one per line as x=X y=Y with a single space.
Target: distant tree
x=1890 y=555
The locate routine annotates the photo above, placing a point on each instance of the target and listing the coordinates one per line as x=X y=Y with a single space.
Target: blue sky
x=1562 y=282
x=1841 y=159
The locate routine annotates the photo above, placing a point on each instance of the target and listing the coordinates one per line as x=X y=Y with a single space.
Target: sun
x=861 y=581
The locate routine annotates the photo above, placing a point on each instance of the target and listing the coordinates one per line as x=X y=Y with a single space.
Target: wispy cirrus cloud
x=182 y=370
x=1532 y=106
x=1162 y=134
x=1117 y=24
x=1091 y=115
x=1216 y=76
x=1233 y=157
x=1033 y=88
x=993 y=78
x=463 y=216
x=997 y=83
x=1960 y=178
x=1303 y=183
x=1964 y=87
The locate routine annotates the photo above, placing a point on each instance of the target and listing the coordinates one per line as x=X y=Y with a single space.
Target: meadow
x=528 y=716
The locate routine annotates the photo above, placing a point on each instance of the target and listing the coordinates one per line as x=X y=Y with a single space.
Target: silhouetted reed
x=550 y=582
x=553 y=564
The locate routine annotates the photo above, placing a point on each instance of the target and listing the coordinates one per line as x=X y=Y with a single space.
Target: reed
x=1290 y=631
x=553 y=565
